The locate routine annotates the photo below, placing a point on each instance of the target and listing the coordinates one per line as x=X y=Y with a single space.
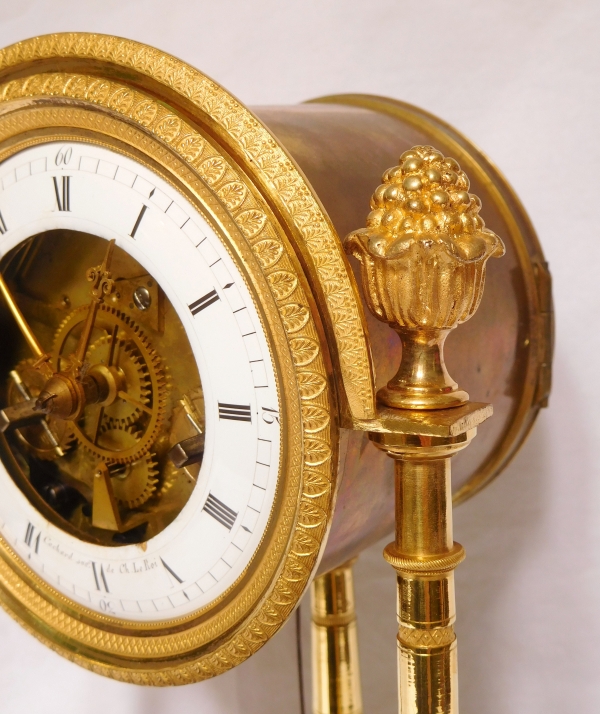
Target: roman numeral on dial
x=203 y=302
x=3 y=227
x=100 y=578
x=220 y=512
x=235 y=412
x=31 y=539
x=62 y=189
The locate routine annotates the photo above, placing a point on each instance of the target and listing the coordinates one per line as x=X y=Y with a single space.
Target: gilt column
x=423 y=256
x=336 y=670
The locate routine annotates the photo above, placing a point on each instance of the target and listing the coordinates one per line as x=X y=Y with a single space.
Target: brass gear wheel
x=136 y=482
x=36 y=437
x=170 y=476
x=139 y=418
x=134 y=373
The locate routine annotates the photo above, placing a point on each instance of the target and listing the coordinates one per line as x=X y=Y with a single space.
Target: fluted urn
x=423 y=256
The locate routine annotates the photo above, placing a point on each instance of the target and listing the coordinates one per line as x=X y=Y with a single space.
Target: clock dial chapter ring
x=313 y=390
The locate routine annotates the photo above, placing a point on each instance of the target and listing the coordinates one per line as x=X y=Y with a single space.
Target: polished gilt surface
x=424 y=556
x=335 y=661
x=423 y=258
x=76 y=106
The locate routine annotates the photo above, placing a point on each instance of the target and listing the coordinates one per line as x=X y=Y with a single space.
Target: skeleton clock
x=188 y=368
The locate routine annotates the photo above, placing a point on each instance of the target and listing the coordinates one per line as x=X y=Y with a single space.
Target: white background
x=521 y=79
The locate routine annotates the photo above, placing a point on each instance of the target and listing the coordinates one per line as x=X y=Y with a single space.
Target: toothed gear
x=34 y=437
x=134 y=373
x=170 y=476
x=142 y=366
x=137 y=482
x=117 y=438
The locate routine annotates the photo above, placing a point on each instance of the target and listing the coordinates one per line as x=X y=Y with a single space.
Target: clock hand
x=142 y=407
x=102 y=285
x=42 y=357
x=67 y=393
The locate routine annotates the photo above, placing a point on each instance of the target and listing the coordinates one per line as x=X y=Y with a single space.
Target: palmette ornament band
x=423 y=256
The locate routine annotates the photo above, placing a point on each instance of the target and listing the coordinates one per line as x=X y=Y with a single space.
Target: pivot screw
x=142 y=298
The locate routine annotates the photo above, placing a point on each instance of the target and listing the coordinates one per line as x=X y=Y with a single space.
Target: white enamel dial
x=199 y=555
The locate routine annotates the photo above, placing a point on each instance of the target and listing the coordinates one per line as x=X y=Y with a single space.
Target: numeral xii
x=62 y=189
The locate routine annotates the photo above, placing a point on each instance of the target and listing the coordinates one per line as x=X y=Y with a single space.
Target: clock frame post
x=423 y=256
x=335 y=660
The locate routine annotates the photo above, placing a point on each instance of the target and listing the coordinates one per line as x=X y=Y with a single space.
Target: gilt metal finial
x=423 y=256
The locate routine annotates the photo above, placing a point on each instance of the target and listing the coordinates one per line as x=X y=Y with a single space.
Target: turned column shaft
x=336 y=674
x=423 y=506
x=427 y=662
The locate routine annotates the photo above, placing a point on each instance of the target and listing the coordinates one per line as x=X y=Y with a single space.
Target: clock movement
x=191 y=427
